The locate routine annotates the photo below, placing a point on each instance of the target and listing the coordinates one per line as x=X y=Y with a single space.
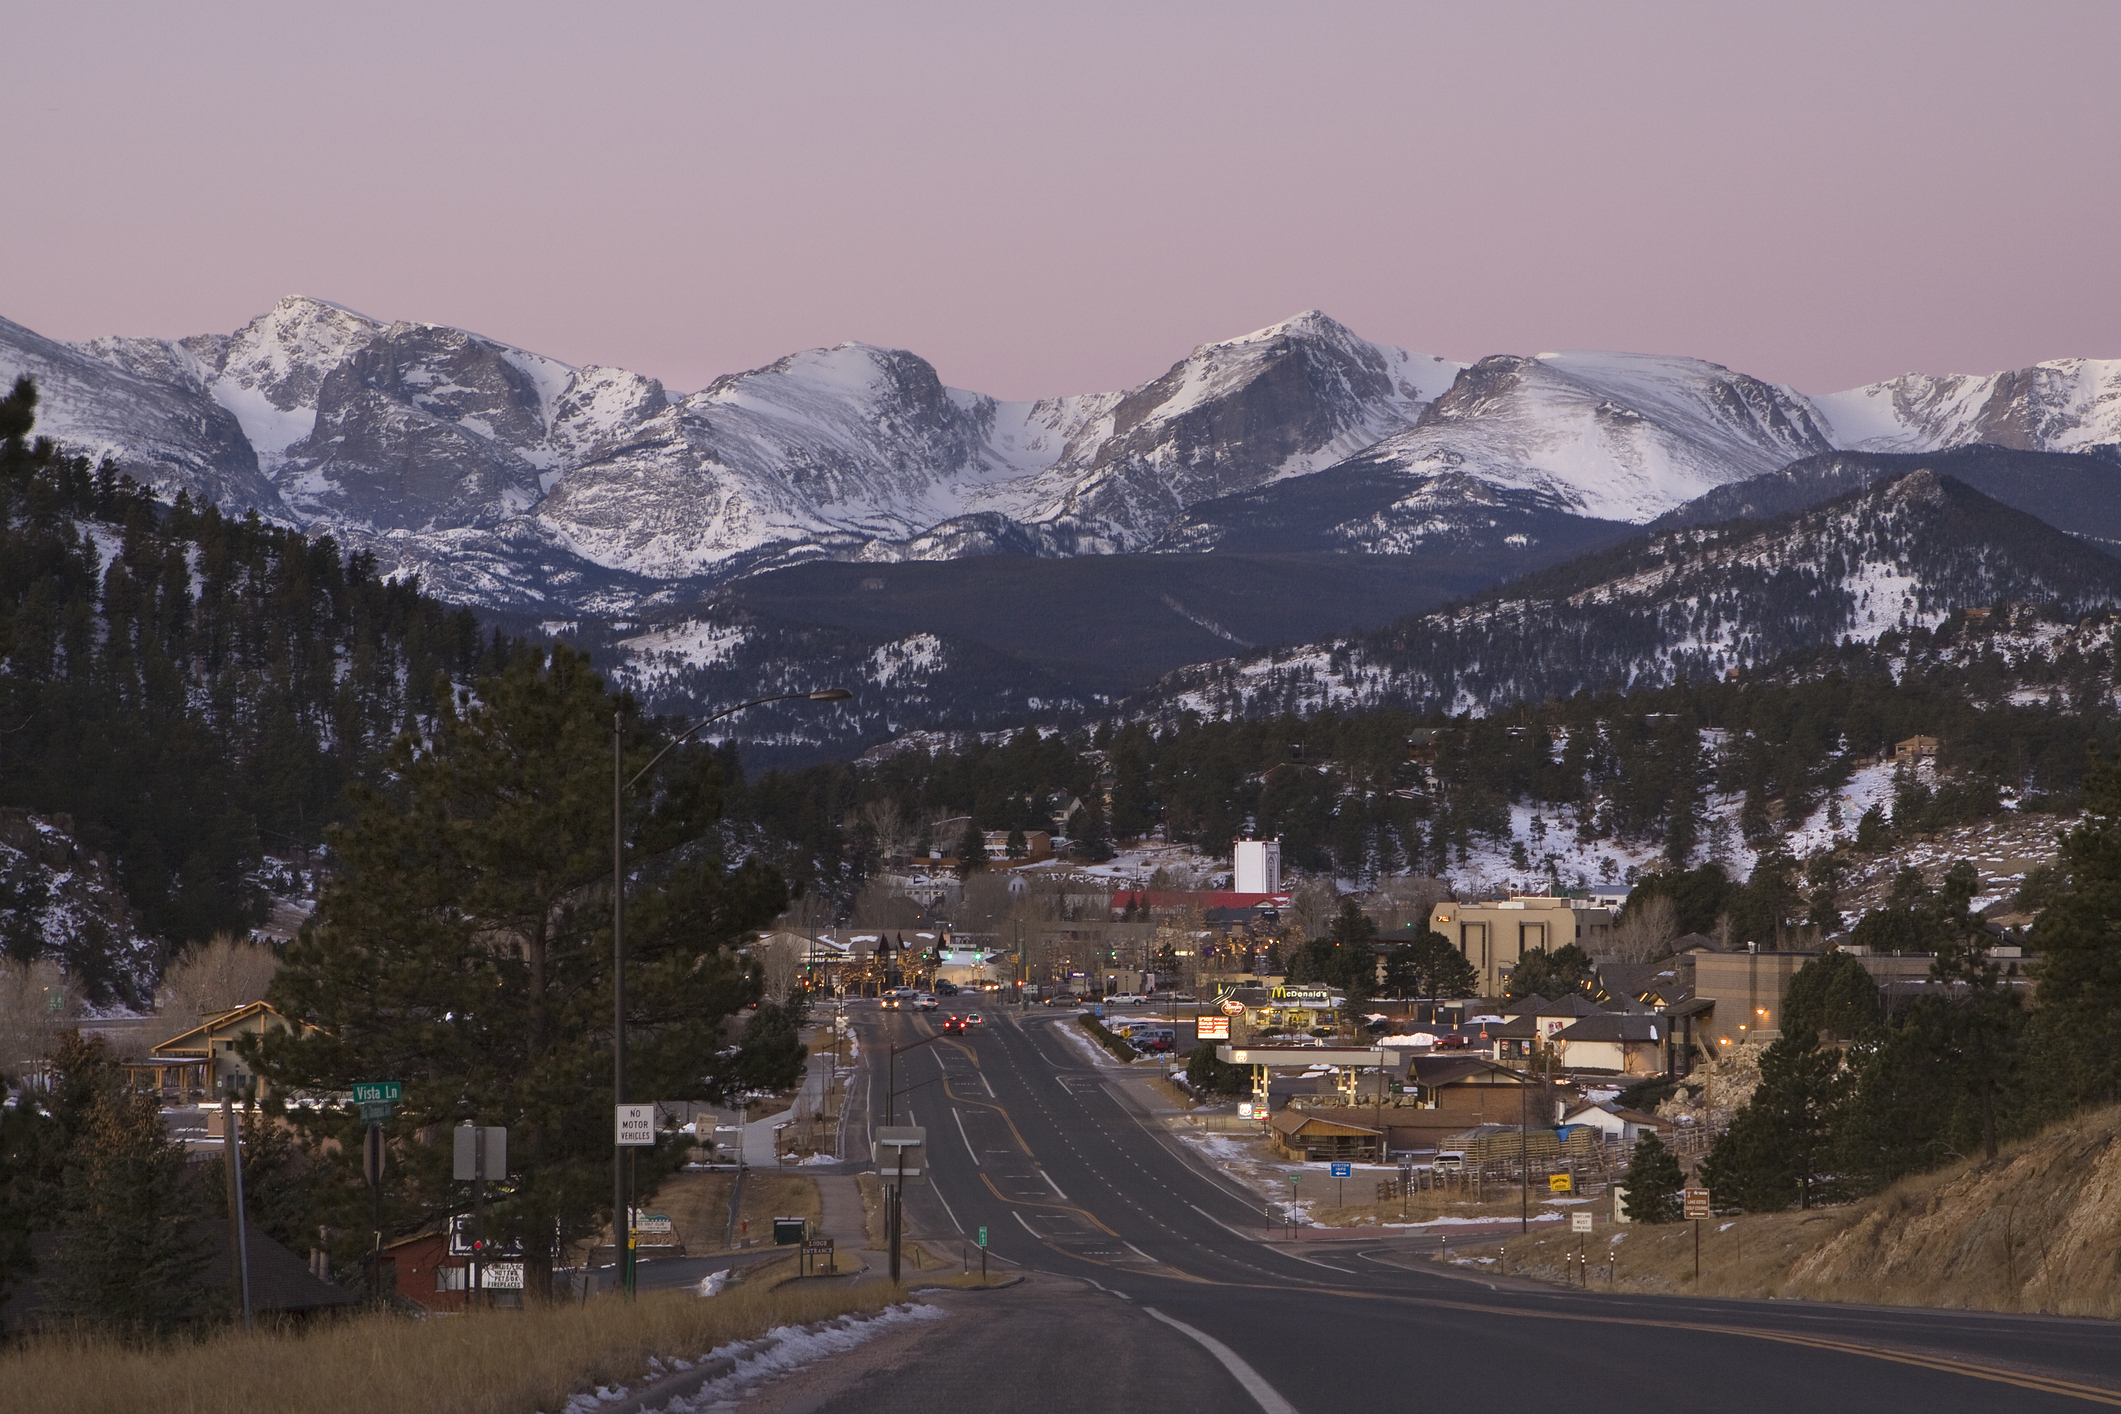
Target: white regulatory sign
x=1579 y=1222
x=636 y=1124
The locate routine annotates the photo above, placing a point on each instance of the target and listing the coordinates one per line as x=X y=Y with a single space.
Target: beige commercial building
x=1494 y=934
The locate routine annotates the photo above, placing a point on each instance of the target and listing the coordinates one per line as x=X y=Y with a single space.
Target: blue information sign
x=1343 y=1170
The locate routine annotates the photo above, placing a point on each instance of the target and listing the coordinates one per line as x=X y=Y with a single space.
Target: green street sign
x=983 y=1237
x=377 y=1092
x=375 y=1112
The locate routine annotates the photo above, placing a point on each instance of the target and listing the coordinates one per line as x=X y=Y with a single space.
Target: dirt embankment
x=2038 y=1230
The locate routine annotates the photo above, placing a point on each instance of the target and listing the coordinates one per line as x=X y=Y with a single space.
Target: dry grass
x=511 y=1362
x=2033 y=1230
x=697 y=1204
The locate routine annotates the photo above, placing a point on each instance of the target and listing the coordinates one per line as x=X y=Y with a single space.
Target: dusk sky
x=1061 y=198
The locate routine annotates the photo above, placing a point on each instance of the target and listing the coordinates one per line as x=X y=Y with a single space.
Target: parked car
x=1184 y=997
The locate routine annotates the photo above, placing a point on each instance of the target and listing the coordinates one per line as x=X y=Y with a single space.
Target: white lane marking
x=966 y=1137
x=1221 y=1224
x=990 y=1088
x=1052 y=1185
x=946 y=1208
x=1027 y=1226
x=1263 y=1394
x=1138 y=1252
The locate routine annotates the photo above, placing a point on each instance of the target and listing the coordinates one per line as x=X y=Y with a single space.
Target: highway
x=1030 y=1138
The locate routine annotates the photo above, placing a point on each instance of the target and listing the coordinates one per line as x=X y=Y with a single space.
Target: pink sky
x=1059 y=198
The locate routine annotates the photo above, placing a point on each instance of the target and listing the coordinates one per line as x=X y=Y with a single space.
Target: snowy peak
x=1616 y=436
x=2063 y=405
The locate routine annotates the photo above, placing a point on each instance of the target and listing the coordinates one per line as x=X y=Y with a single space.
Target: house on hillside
x=193 y=1065
x=1915 y=748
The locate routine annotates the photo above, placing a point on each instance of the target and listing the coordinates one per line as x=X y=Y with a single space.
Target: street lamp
x=621 y=1214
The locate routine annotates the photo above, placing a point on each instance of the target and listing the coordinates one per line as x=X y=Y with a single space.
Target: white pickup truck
x=1126 y=999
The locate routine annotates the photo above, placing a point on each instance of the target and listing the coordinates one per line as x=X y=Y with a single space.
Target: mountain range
x=843 y=513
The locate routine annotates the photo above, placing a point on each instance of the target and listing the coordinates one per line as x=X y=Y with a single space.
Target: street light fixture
x=621 y=1214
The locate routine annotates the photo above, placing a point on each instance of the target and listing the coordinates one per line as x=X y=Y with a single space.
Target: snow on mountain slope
x=144 y=406
x=1614 y=436
x=1282 y=401
x=2063 y=405
x=1696 y=602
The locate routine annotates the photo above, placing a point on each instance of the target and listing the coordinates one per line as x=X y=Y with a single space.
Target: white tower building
x=1259 y=866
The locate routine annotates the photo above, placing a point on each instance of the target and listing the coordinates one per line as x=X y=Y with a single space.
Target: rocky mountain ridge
x=507 y=479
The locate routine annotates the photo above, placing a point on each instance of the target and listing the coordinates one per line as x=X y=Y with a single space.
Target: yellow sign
x=1560 y=1183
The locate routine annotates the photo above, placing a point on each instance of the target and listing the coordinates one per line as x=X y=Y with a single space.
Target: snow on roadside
x=780 y=1351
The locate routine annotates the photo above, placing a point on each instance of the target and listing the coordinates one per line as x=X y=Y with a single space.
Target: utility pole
x=621 y=1218
x=232 y=1155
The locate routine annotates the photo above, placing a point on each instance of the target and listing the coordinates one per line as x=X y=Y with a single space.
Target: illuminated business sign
x=1211 y=1028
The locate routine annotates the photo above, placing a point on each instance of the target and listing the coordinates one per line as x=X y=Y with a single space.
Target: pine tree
x=1087 y=837
x=971 y=850
x=464 y=949
x=2076 y=1037
x=128 y=1256
x=1834 y=994
x=1653 y=1182
x=1778 y=1150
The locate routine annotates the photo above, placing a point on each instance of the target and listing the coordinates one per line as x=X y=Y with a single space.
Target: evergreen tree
x=1540 y=973
x=1087 y=838
x=2077 y=1024
x=1778 y=1150
x=1017 y=846
x=1209 y=1074
x=971 y=850
x=1430 y=966
x=127 y=1256
x=1832 y=994
x=1653 y=1182
x=464 y=948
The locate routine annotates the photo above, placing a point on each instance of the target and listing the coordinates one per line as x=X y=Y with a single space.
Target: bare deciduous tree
x=1312 y=904
x=780 y=958
x=894 y=833
x=1645 y=931
x=215 y=977
x=37 y=1003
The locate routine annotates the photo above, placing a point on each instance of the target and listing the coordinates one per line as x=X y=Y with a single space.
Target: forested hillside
x=182 y=693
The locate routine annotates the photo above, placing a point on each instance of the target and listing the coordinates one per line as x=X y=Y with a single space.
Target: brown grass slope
x=2038 y=1229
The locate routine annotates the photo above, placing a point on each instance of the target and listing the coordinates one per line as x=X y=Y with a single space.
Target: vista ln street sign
x=1696 y=1200
x=377 y=1092
x=636 y=1125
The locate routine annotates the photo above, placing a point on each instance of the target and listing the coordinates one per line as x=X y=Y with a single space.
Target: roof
x=1433 y=1070
x=1290 y=1123
x=1614 y=1026
x=279 y=1280
x=1619 y=1112
x=1633 y=979
x=205 y=1030
x=1692 y=1006
x=1688 y=942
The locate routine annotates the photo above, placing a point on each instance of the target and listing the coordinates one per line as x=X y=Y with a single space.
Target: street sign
x=900 y=1152
x=983 y=1237
x=375 y=1111
x=1696 y=1201
x=1560 y=1183
x=636 y=1125
x=372 y=1153
x=1343 y=1170
x=1579 y=1222
x=652 y=1222
x=377 y=1092
x=467 y=1166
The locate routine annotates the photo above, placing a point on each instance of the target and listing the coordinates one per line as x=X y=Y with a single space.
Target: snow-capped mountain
x=2063 y=405
x=506 y=479
x=1698 y=602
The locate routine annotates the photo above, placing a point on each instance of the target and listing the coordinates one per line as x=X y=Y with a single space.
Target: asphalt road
x=1030 y=1139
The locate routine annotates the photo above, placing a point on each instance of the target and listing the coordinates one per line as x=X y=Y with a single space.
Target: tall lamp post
x=621 y=1211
